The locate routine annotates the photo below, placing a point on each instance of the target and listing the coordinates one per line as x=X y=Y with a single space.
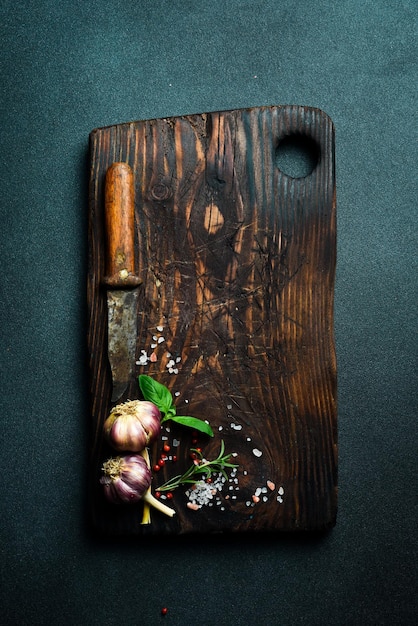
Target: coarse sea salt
x=257 y=452
x=203 y=493
x=160 y=329
x=143 y=359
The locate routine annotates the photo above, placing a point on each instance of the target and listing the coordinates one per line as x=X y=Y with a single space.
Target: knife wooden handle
x=120 y=227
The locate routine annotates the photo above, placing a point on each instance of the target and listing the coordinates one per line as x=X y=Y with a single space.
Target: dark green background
x=68 y=67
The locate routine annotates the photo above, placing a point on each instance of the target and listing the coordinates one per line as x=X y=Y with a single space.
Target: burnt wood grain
x=237 y=263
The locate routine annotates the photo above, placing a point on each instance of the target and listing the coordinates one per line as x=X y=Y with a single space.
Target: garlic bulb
x=127 y=479
x=133 y=425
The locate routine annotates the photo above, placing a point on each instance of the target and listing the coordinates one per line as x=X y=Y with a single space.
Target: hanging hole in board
x=297 y=155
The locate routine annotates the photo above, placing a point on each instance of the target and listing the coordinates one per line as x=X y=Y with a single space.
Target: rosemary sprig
x=201 y=469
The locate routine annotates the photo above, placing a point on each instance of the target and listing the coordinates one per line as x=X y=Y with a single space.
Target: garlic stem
x=149 y=499
x=146 y=514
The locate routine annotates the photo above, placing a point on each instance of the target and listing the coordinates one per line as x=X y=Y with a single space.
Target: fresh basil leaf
x=193 y=422
x=169 y=414
x=156 y=393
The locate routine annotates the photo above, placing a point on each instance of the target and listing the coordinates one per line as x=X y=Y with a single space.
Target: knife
x=120 y=280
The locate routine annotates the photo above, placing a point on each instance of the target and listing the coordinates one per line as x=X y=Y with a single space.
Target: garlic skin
x=128 y=479
x=132 y=426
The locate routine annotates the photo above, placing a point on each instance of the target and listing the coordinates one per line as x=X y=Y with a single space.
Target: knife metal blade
x=121 y=280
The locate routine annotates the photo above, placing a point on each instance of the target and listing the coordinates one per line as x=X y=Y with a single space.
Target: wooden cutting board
x=237 y=261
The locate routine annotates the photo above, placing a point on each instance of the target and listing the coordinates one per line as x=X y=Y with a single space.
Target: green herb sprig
x=159 y=395
x=201 y=469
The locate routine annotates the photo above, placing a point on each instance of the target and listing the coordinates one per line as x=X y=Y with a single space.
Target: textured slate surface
x=70 y=67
